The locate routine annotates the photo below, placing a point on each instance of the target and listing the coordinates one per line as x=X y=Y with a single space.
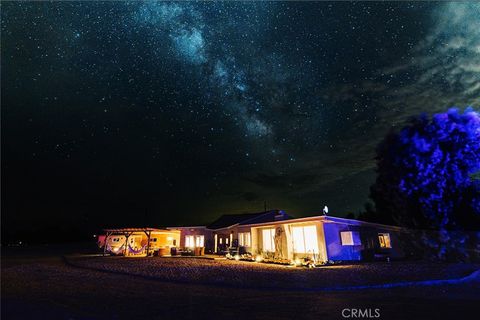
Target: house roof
x=127 y=230
x=228 y=220
x=328 y=219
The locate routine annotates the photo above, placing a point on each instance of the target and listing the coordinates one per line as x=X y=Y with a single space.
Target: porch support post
x=148 y=233
x=106 y=241
x=127 y=235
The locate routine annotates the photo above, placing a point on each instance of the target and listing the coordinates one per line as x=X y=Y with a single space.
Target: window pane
x=386 y=236
x=199 y=240
x=189 y=241
x=384 y=239
x=347 y=238
x=240 y=239
x=310 y=236
x=298 y=240
x=247 y=239
x=381 y=241
x=305 y=239
x=350 y=238
x=268 y=240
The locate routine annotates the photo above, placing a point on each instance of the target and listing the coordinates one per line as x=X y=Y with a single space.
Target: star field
x=177 y=111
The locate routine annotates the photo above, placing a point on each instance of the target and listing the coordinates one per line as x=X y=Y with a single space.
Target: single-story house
x=275 y=235
x=271 y=235
x=324 y=238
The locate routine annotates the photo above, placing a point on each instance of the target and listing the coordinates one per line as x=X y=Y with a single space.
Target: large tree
x=426 y=175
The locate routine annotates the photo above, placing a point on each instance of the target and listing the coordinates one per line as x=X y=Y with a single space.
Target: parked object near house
x=140 y=241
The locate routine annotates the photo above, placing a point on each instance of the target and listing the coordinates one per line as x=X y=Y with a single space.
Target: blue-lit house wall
x=335 y=250
x=366 y=246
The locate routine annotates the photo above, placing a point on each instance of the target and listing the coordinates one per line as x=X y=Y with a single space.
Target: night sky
x=160 y=113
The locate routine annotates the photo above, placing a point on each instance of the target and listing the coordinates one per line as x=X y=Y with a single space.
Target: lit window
x=226 y=240
x=305 y=239
x=350 y=238
x=199 y=241
x=189 y=242
x=384 y=239
x=244 y=239
x=268 y=236
x=220 y=240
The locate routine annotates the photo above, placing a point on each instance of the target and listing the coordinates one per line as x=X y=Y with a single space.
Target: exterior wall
x=371 y=243
x=368 y=249
x=284 y=249
x=187 y=231
x=321 y=244
x=281 y=246
x=235 y=235
x=223 y=238
x=335 y=249
x=328 y=239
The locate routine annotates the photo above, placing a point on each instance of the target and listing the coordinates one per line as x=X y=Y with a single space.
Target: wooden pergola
x=127 y=232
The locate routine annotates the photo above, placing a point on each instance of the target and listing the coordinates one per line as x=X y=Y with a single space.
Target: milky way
x=177 y=112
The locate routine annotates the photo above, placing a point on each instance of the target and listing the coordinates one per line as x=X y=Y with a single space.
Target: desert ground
x=69 y=283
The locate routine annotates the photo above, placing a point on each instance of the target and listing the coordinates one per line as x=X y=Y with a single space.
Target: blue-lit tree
x=426 y=177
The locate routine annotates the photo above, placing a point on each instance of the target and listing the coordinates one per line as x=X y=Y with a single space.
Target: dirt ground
x=48 y=287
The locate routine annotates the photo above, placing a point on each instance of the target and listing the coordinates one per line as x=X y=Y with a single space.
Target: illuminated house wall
x=275 y=235
x=290 y=239
x=194 y=233
x=353 y=240
x=325 y=239
x=337 y=250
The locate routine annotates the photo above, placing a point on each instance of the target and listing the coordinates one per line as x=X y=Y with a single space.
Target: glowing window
x=350 y=238
x=268 y=236
x=199 y=241
x=189 y=242
x=244 y=239
x=226 y=240
x=305 y=239
x=220 y=240
x=384 y=239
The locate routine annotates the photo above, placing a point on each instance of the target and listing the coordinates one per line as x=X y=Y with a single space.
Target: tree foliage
x=427 y=173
